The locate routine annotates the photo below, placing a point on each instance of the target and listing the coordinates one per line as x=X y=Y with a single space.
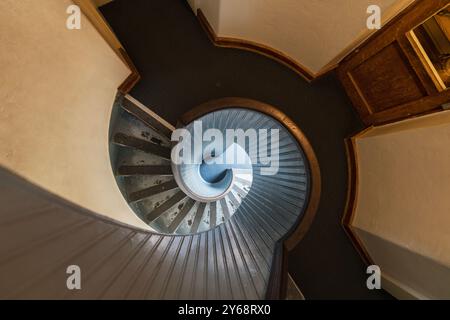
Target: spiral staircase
x=215 y=231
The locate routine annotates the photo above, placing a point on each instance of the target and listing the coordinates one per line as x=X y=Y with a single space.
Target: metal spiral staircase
x=215 y=230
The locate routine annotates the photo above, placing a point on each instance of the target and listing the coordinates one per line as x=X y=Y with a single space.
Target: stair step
x=181 y=215
x=213 y=214
x=129 y=141
x=131 y=108
x=141 y=194
x=198 y=217
x=144 y=170
x=157 y=212
x=225 y=210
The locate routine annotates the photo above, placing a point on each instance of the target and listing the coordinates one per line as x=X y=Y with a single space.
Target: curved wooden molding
x=352 y=196
x=228 y=42
x=133 y=78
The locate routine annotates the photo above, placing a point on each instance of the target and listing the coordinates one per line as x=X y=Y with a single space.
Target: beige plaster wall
x=57 y=88
x=315 y=33
x=403 y=205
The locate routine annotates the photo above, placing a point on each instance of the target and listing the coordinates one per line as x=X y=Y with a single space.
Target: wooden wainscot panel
x=385 y=78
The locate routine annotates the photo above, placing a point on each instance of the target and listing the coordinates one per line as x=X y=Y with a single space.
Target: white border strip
x=150 y=112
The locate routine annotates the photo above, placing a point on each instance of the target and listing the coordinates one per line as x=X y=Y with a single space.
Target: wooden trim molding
x=90 y=10
x=352 y=196
x=133 y=78
x=228 y=42
x=277 y=285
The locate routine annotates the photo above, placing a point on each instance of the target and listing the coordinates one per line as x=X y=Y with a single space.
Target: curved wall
x=57 y=88
x=316 y=34
x=403 y=204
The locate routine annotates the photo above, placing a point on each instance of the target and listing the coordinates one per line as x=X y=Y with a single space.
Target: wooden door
x=385 y=78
